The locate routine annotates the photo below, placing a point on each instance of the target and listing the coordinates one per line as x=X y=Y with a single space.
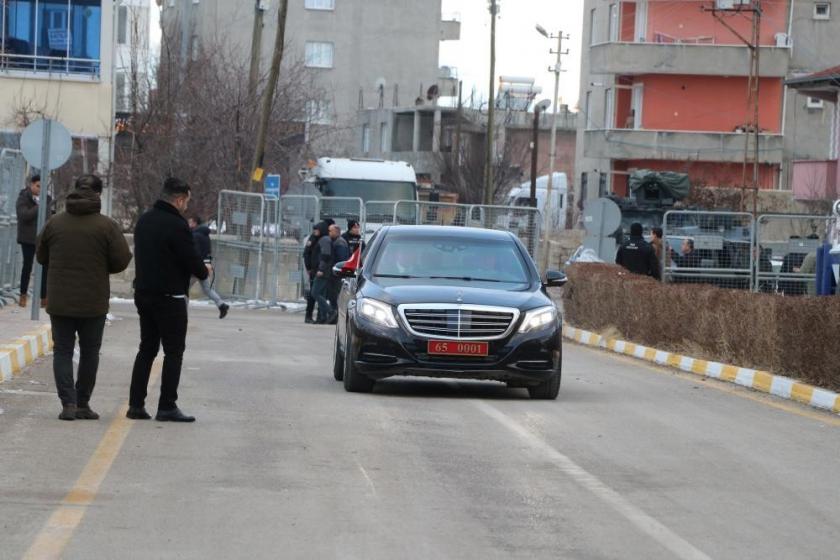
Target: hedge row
x=794 y=336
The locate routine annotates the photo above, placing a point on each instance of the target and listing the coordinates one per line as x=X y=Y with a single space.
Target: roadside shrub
x=794 y=336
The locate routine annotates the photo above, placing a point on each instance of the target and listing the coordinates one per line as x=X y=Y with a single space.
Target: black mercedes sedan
x=447 y=302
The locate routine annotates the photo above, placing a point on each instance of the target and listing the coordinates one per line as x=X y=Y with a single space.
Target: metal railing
x=787 y=247
x=12 y=180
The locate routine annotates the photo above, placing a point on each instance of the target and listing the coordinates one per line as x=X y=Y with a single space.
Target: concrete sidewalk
x=22 y=340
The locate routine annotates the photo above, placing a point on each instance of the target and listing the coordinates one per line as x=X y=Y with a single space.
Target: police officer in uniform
x=637 y=255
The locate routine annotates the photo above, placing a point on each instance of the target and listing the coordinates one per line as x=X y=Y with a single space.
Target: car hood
x=402 y=294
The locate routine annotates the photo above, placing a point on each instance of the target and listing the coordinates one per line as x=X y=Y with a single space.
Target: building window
x=55 y=36
x=383 y=137
x=586 y=108
x=366 y=138
x=319 y=54
x=613 y=24
x=608 y=109
x=121 y=84
x=122 y=25
x=319 y=4
x=592 y=27
x=318 y=112
x=822 y=10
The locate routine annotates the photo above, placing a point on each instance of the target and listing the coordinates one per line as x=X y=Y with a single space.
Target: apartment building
x=131 y=55
x=359 y=50
x=664 y=86
x=56 y=60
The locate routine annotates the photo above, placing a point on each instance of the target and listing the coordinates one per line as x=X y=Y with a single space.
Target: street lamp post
x=552 y=153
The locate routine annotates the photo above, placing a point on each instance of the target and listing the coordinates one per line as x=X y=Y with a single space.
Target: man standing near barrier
x=27 y=231
x=637 y=255
x=311 y=265
x=165 y=260
x=82 y=248
x=353 y=235
x=322 y=286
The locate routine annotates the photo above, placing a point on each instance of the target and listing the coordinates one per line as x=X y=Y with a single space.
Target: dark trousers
x=310 y=298
x=163 y=319
x=320 y=289
x=28 y=251
x=64 y=330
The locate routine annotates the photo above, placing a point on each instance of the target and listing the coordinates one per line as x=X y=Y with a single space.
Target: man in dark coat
x=311 y=268
x=201 y=240
x=82 y=248
x=637 y=255
x=165 y=259
x=27 y=231
x=353 y=235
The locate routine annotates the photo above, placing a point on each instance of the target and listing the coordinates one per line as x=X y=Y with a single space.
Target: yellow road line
x=56 y=534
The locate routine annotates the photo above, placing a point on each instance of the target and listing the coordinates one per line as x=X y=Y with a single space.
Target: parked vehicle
x=521 y=197
x=452 y=302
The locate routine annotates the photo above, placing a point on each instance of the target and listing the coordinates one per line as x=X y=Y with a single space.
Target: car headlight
x=377 y=312
x=538 y=318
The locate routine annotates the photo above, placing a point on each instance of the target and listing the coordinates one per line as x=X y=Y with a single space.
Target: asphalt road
x=630 y=462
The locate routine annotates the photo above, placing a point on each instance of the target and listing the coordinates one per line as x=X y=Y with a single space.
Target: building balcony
x=703 y=59
x=678 y=145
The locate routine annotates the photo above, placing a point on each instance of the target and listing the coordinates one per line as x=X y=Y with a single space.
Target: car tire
x=550 y=388
x=338 y=360
x=354 y=380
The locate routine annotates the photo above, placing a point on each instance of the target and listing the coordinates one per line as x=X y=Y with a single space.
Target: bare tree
x=198 y=123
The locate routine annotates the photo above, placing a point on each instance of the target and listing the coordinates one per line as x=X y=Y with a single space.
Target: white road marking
x=647 y=524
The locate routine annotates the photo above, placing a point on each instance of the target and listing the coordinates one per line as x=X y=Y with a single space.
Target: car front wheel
x=550 y=388
x=338 y=360
x=354 y=381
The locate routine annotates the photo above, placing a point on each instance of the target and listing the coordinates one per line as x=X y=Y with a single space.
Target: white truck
x=376 y=181
x=521 y=196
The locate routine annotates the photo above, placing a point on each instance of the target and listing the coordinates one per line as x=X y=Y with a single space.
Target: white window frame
x=383 y=137
x=615 y=18
x=320 y=5
x=609 y=109
x=365 y=139
x=122 y=25
x=586 y=111
x=637 y=103
x=318 y=112
x=592 y=26
x=641 y=21
x=826 y=15
x=319 y=54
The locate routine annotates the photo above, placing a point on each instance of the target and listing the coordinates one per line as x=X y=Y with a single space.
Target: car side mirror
x=344 y=269
x=555 y=278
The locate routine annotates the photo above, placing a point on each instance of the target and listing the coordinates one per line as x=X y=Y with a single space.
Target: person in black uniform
x=637 y=255
x=165 y=259
x=353 y=235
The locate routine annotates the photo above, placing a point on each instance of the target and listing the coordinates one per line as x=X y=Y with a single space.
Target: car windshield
x=445 y=258
x=369 y=190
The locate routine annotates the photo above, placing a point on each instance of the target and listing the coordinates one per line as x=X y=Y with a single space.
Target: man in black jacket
x=637 y=255
x=165 y=259
x=27 y=232
x=201 y=240
x=353 y=235
x=311 y=265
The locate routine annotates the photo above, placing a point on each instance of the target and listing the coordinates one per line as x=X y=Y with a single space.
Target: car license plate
x=455 y=348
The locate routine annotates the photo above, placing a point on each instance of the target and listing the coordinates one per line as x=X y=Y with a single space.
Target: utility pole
x=490 y=154
x=456 y=149
x=257 y=171
x=256 y=48
x=552 y=152
x=753 y=96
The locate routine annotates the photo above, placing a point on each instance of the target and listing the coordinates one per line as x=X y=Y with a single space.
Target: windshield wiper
x=405 y=276
x=465 y=278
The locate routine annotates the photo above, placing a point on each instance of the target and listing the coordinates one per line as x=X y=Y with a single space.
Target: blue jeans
x=320 y=290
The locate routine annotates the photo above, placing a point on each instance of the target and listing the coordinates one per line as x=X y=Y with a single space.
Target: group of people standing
x=326 y=247
x=82 y=249
x=644 y=257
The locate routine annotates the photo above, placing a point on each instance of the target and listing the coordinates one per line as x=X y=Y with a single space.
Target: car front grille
x=459 y=322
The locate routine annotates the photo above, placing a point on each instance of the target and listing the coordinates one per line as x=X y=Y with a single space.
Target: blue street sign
x=272 y=185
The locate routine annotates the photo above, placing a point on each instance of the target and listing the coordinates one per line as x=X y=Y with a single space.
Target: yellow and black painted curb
x=763 y=381
x=20 y=352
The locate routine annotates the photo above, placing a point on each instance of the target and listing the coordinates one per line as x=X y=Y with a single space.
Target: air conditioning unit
x=731 y=4
x=783 y=40
x=814 y=103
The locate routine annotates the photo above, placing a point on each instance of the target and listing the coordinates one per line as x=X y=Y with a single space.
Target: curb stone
x=22 y=351
x=765 y=382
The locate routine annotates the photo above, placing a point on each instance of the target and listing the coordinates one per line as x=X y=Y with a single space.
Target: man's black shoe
x=309 y=320
x=223 y=310
x=174 y=415
x=137 y=413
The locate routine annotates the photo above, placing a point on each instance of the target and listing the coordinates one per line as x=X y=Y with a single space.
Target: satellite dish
x=432 y=93
x=601 y=217
x=543 y=105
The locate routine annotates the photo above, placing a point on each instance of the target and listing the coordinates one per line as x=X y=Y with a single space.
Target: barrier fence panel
x=240 y=245
x=341 y=210
x=298 y=215
x=431 y=213
x=708 y=248
x=12 y=180
x=377 y=214
x=787 y=252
